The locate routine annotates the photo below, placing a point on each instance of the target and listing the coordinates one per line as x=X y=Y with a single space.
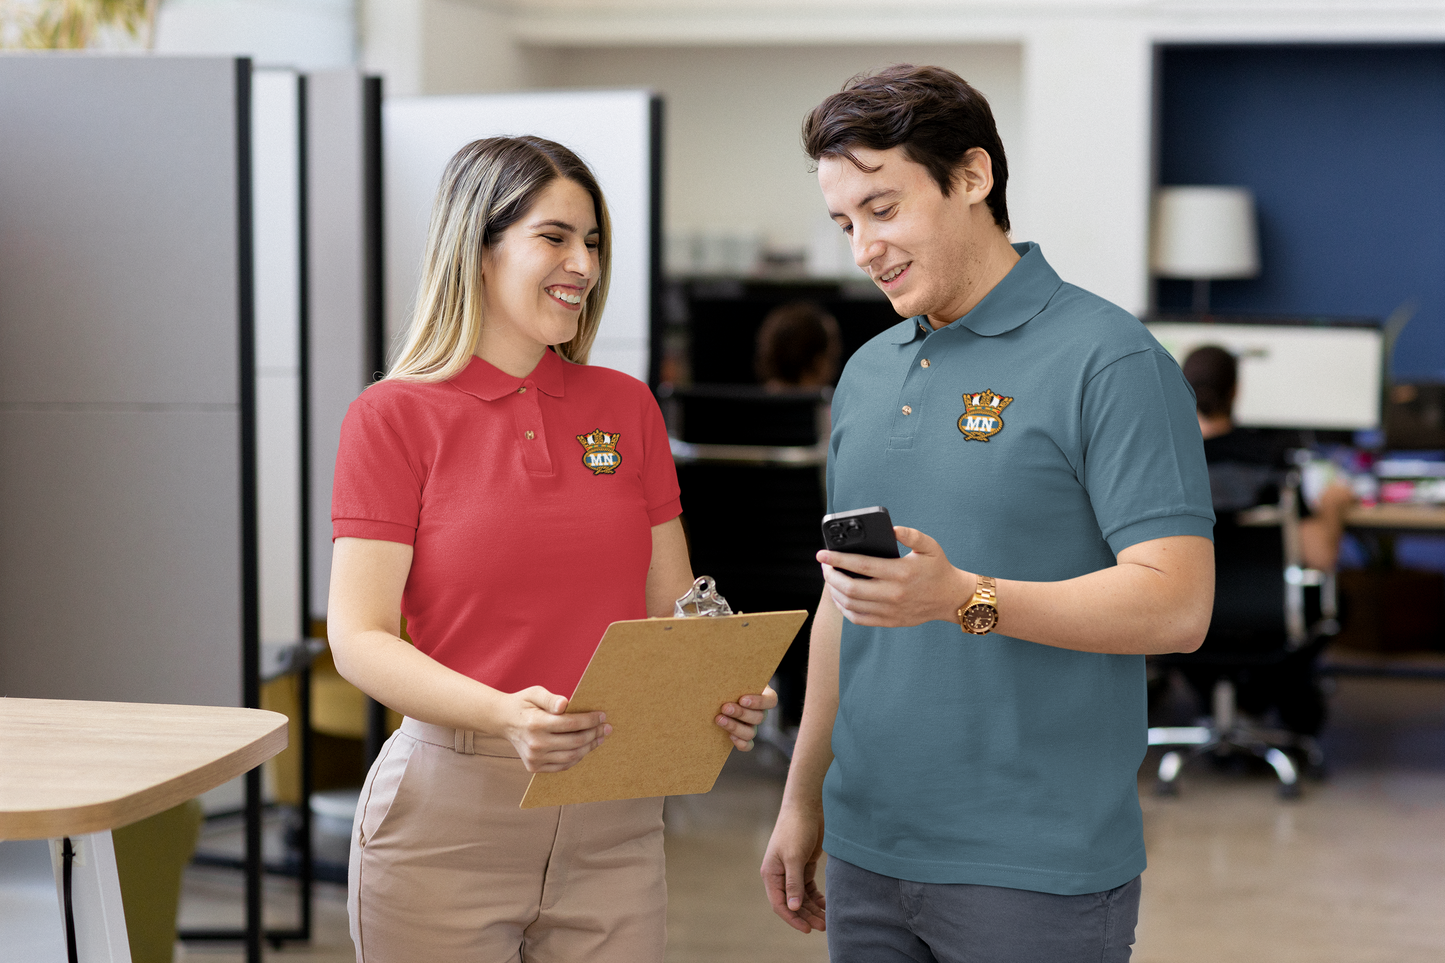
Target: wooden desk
x=1399 y=518
x=1367 y=518
x=78 y=770
x=1375 y=524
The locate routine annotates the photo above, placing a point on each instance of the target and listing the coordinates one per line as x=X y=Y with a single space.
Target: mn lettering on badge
x=982 y=415
x=600 y=451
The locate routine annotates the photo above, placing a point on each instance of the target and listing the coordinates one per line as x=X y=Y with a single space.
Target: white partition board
x=610 y=130
x=1293 y=376
x=276 y=203
x=121 y=412
x=340 y=142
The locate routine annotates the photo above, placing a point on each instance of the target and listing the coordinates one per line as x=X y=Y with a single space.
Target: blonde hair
x=487 y=187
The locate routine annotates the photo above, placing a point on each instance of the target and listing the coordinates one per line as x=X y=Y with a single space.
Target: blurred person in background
x=798 y=346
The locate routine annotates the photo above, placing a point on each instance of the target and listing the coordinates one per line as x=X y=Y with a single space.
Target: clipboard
x=661 y=683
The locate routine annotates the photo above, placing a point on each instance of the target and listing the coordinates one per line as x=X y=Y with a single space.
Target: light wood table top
x=1396 y=516
x=69 y=768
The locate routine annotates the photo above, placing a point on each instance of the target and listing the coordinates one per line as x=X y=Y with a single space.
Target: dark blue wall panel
x=1344 y=147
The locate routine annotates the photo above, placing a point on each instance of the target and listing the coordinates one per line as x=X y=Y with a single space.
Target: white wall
x=440 y=46
x=1073 y=97
x=305 y=34
x=733 y=117
x=1087 y=175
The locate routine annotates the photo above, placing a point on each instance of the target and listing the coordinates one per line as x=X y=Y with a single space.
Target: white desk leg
x=100 y=935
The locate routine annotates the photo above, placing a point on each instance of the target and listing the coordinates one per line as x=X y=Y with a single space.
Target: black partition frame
x=252 y=933
x=252 y=863
x=656 y=317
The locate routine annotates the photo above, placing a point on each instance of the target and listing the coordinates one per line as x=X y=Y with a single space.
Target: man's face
x=918 y=246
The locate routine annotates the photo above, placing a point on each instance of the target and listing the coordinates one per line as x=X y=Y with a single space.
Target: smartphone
x=863 y=531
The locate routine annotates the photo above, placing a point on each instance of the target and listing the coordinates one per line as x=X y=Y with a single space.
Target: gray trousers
x=879 y=919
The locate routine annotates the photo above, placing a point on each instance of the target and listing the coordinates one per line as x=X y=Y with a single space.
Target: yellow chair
x=150 y=858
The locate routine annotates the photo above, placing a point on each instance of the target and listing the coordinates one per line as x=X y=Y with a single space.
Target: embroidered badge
x=981 y=420
x=601 y=455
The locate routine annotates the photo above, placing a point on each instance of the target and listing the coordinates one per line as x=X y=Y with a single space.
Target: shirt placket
x=908 y=410
x=527 y=411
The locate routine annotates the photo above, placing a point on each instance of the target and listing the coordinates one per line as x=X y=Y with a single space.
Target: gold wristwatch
x=980 y=613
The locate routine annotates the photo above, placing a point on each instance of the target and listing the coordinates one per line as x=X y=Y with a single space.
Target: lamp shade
x=1204 y=233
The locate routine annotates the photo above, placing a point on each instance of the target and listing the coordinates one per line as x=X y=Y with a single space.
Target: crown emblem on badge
x=981 y=415
x=601 y=453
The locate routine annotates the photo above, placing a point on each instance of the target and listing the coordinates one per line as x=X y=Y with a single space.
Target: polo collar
x=1022 y=294
x=486 y=381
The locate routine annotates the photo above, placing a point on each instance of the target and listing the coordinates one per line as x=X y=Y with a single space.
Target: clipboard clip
x=702 y=599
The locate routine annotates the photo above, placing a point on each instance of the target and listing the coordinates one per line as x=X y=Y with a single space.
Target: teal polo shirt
x=1035 y=438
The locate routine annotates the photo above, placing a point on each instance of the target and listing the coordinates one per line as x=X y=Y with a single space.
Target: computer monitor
x=1303 y=375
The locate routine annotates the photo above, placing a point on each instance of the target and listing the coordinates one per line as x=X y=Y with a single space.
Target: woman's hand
x=742 y=718
x=548 y=740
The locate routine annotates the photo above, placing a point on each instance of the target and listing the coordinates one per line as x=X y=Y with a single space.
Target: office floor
x=1352 y=873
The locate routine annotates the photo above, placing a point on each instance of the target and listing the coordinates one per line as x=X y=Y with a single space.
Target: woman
x=512 y=502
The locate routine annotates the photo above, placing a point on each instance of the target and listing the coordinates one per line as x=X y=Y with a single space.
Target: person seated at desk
x=1246 y=466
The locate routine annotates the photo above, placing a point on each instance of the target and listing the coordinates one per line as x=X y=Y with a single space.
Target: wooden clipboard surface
x=661 y=683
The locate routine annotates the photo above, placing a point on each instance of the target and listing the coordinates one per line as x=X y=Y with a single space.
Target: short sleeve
x=659 y=474
x=377 y=489
x=1144 y=464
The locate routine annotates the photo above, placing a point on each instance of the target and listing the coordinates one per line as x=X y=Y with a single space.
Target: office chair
x=751 y=463
x=1263 y=618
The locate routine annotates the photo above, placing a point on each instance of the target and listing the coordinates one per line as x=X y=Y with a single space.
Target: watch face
x=979 y=618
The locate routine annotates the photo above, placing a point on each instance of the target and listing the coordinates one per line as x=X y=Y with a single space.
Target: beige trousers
x=445 y=868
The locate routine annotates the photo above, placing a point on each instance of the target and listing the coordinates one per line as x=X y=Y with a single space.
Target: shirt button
x=530 y=436
x=908 y=409
x=923 y=363
x=522 y=390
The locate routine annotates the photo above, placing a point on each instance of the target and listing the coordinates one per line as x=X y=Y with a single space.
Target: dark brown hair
x=795 y=341
x=1212 y=372
x=932 y=113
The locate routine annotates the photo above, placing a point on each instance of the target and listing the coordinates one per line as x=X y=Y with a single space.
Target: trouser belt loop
x=464 y=742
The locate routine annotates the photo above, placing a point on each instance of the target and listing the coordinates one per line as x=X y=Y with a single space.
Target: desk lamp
x=1203 y=234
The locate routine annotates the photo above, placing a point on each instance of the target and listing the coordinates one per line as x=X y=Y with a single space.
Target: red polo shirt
x=529 y=503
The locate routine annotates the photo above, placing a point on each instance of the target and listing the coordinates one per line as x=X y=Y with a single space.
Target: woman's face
x=536 y=276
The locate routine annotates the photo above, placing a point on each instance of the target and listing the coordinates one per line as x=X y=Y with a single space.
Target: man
x=1040 y=453
x=1245 y=465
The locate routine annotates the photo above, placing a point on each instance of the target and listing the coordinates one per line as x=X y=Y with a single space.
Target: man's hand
x=917 y=588
x=546 y=738
x=742 y=718
x=789 y=866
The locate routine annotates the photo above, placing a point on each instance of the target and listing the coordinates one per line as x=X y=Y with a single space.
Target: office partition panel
x=276 y=200
x=127 y=498
x=616 y=132
x=344 y=309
